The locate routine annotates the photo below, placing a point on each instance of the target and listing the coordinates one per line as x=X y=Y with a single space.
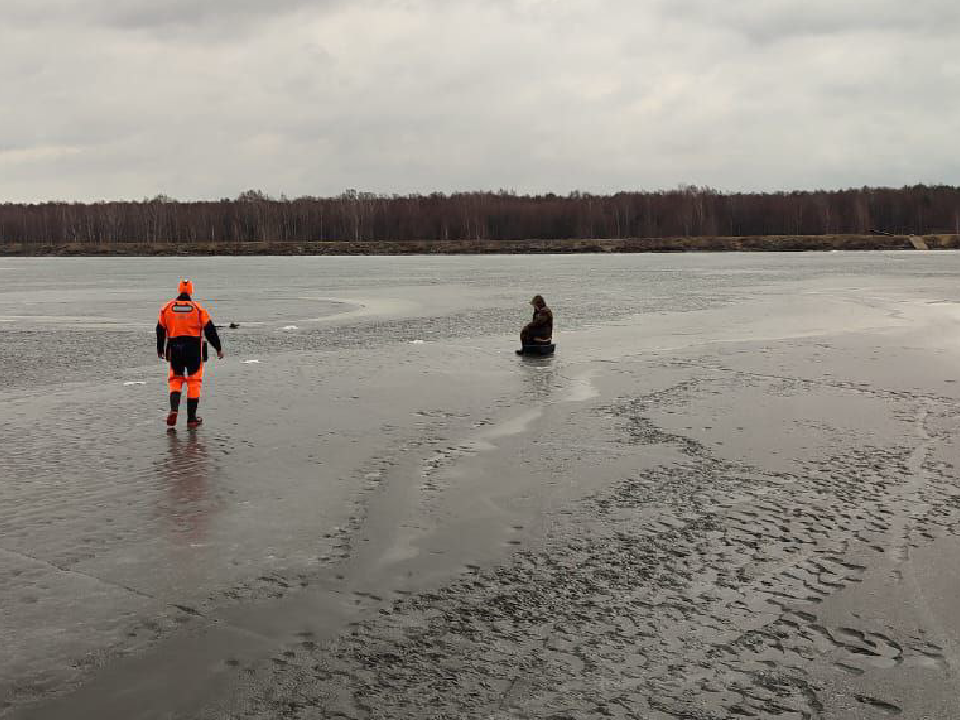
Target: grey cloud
x=127 y=99
x=158 y=15
x=774 y=20
x=145 y=14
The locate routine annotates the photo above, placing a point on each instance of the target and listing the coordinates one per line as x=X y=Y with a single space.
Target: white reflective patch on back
x=183 y=308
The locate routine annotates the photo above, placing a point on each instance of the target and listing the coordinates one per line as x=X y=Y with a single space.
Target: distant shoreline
x=756 y=243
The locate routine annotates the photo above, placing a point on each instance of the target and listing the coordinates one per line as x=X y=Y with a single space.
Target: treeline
x=503 y=216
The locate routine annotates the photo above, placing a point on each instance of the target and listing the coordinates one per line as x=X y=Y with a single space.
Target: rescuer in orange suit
x=181 y=328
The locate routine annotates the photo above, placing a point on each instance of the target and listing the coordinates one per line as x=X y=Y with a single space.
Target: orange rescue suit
x=180 y=332
x=183 y=318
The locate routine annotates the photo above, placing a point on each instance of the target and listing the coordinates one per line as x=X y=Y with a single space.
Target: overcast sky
x=206 y=98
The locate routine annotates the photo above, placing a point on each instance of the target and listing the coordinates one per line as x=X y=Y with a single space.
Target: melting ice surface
x=269 y=486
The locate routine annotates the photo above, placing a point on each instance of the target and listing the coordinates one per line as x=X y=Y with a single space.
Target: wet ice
x=711 y=483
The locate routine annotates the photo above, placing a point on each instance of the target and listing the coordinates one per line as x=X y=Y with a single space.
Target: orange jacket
x=183 y=318
x=184 y=323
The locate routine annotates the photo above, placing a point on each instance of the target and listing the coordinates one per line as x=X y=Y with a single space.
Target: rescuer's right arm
x=161 y=338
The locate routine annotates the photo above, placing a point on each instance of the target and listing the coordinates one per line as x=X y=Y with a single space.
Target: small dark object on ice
x=537 y=350
x=234 y=326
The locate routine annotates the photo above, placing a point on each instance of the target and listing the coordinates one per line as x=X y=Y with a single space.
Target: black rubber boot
x=174 y=407
x=192 y=419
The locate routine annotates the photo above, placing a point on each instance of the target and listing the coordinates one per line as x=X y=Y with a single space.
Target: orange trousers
x=194 y=382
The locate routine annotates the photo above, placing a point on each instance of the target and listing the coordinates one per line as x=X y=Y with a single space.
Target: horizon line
x=353 y=193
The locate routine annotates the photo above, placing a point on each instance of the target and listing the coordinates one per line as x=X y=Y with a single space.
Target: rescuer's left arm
x=210 y=332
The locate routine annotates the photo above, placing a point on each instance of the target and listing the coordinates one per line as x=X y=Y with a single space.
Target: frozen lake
x=371 y=437
x=64 y=318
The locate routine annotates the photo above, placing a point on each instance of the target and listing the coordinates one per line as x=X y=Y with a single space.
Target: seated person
x=538 y=331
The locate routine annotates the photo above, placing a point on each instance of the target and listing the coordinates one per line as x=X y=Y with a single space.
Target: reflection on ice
x=539 y=376
x=186 y=473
